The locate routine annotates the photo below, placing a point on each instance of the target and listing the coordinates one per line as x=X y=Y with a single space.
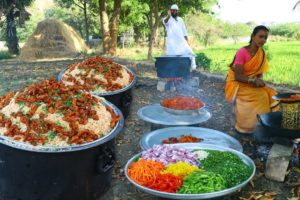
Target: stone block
x=278 y=162
x=161 y=85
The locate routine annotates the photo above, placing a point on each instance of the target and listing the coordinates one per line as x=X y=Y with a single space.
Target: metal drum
x=68 y=172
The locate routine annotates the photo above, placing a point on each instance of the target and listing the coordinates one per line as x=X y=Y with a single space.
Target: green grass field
x=284 y=60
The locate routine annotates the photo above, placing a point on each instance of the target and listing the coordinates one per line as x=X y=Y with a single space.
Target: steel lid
x=156 y=114
x=209 y=136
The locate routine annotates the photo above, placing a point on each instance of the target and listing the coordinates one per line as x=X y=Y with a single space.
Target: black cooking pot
x=271 y=122
x=172 y=66
x=63 y=173
x=121 y=98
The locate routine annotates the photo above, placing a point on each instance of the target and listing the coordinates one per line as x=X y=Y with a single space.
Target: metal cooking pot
x=121 y=98
x=172 y=66
x=271 y=122
x=49 y=173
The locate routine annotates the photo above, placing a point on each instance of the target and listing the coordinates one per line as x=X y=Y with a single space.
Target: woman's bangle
x=251 y=80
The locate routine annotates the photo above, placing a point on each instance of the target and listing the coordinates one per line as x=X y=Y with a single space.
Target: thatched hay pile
x=52 y=39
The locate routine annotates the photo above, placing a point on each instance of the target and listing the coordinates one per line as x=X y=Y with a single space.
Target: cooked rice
x=100 y=127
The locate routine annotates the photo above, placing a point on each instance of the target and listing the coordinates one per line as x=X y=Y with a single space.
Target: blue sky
x=259 y=11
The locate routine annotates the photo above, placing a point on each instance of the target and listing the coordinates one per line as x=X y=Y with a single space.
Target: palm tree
x=297 y=4
x=11 y=10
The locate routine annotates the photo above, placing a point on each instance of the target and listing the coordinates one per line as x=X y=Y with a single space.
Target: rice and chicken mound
x=51 y=114
x=97 y=74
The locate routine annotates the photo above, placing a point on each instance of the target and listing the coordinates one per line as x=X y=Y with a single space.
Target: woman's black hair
x=254 y=32
x=257 y=29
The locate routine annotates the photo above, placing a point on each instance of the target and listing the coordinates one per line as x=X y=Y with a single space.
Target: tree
x=11 y=10
x=83 y=5
x=158 y=9
x=133 y=18
x=109 y=26
x=296 y=5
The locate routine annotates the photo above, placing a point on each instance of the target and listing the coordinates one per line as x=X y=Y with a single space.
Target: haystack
x=52 y=39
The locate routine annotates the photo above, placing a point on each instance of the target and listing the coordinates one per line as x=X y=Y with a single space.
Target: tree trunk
x=153 y=24
x=137 y=35
x=104 y=26
x=114 y=27
x=86 y=23
x=11 y=33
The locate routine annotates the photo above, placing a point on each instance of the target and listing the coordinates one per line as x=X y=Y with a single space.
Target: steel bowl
x=248 y=161
x=183 y=112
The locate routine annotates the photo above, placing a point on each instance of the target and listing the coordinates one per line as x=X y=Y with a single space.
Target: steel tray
x=281 y=96
x=209 y=136
x=248 y=161
x=156 y=114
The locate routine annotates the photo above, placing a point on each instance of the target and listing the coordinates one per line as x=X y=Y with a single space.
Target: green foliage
x=28 y=28
x=5 y=55
x=290 y=30
x=133 y=14
x=18 y=3
x=207 y=30
x=269 y=54
x=235 y=30
x=68 y=12
x=203 y=61
x=15 y=13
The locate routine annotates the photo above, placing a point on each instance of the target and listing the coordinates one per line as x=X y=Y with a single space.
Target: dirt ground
x=16 y=74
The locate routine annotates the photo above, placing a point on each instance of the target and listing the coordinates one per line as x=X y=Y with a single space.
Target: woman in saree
x=245 y=88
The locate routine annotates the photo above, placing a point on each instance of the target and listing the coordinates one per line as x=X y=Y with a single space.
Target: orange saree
x=248 y=101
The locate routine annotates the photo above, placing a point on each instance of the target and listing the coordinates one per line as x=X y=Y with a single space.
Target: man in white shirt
x=177 y=37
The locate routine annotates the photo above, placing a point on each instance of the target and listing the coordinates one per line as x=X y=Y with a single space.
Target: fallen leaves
x=260 y=196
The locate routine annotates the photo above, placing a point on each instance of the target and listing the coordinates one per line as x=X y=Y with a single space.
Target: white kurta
x=176 y=43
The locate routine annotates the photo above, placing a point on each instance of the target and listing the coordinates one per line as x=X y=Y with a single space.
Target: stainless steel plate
x=209 y=136
x=248 y=161
x=156 y=114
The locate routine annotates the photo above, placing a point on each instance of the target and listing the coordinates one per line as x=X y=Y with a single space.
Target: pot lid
x=209 y=136
x=156 y=114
